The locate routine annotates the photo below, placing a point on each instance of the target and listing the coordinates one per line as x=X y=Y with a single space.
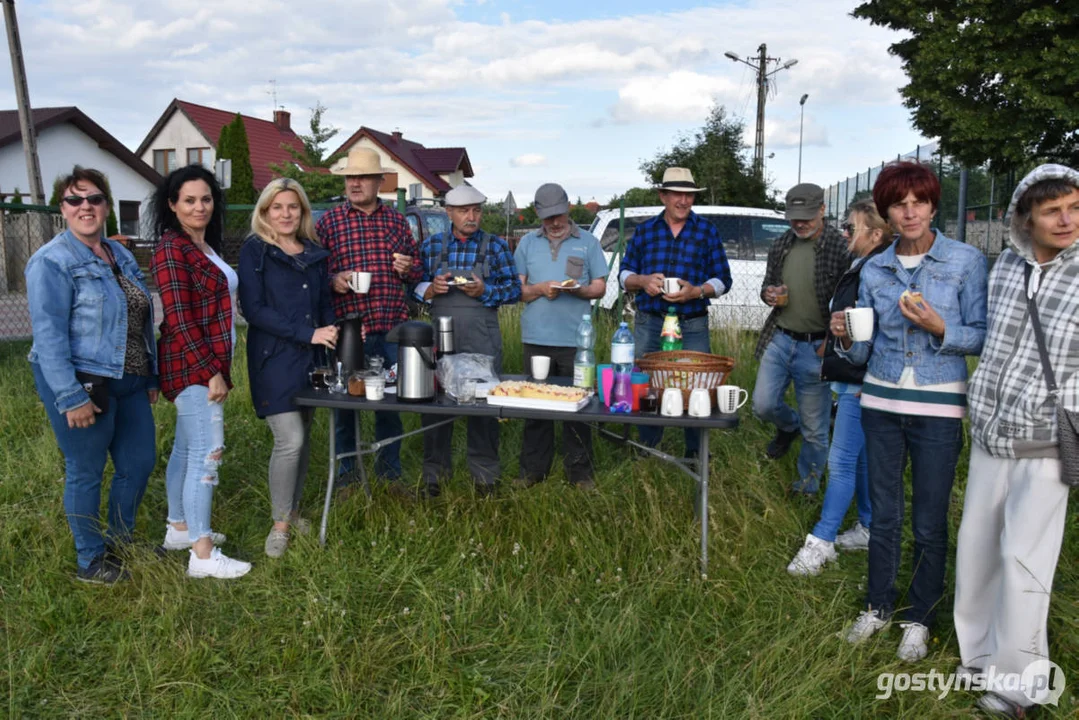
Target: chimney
x=282 y=119
x=397 y=135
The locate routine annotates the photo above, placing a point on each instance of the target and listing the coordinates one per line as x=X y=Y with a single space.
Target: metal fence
x=23 y=229
x=981 y=221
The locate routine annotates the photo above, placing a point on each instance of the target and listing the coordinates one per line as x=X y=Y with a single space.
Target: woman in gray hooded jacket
x=1016 y=503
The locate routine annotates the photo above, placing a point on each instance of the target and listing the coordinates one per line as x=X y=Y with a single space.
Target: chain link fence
x=23 y=229
x=981 y=222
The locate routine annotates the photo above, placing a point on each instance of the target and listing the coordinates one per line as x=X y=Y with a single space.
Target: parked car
x=747 y=235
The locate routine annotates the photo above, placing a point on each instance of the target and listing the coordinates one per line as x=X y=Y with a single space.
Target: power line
x=764 y=79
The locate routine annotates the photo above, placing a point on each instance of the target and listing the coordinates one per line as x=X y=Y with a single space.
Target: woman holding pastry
x=928 y=294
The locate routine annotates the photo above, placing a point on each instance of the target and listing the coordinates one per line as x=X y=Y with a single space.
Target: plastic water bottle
x=671 y=333
x=622 y=360
x=584 y=363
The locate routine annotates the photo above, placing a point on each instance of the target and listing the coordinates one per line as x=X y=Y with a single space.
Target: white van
x=747 y=235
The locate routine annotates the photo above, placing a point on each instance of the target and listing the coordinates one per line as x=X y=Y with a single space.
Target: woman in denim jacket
x=95 y=368
x=928 y=293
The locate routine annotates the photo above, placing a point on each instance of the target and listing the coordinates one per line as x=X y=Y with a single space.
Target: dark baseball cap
x=804 y=201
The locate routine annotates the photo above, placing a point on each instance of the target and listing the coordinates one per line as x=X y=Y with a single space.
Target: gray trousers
x=288 y=461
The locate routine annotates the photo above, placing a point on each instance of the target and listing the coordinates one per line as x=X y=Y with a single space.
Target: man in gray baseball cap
x=804 y=265
x=562 y=269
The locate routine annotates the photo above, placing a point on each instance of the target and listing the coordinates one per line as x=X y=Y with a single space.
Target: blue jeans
x=646 y=339
x=848 y=473
x=786 y=360
x=126 y=433
x=196 y=453
x=387 y=424
x=933 y=445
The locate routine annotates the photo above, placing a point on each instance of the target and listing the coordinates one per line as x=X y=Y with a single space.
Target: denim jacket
x=952 y=280
x=79 y=315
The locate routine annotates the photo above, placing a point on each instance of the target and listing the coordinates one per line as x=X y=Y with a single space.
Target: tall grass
x=538 y=604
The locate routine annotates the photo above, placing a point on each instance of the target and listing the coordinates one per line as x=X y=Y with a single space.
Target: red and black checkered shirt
x=196 y=334
x=366 y=242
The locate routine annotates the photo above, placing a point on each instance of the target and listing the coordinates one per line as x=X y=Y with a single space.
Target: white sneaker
x=857 y=538
x=218 y=565
x=276 y=542
x=869 y=623
x=912 y=647
x=812 y=557
x=181 y=540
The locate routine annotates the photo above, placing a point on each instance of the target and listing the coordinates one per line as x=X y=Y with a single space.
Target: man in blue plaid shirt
x=677 y=244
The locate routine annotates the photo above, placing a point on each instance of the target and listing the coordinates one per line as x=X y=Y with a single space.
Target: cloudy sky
x=565 y=91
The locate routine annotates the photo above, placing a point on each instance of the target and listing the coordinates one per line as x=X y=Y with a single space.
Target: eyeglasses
x=848 y=228
x=96 y=199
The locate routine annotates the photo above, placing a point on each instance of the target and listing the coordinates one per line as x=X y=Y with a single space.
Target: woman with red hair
x=928 y=294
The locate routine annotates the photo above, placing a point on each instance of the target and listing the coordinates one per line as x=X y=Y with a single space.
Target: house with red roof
x=187 y=134
x=425 y=172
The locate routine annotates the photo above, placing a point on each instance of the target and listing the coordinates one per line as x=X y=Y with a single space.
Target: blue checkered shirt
x=696 y=256
x=502 y=283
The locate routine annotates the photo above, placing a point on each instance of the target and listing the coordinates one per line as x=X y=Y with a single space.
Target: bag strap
x=1039 y=336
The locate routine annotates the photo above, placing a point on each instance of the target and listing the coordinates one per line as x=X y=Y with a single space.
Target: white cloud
x=783 y=133
x=678 y=96
x=528 y=160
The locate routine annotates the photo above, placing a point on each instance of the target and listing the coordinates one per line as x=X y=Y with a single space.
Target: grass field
x=545 y=603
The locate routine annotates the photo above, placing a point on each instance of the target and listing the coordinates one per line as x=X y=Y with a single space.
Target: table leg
x=359 y=457
x=702 y=458
x=330 y=479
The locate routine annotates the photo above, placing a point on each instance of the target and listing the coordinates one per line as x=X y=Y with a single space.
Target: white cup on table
x=671 y=404
x=541 y=366
x=730 y=397
x=700 y=402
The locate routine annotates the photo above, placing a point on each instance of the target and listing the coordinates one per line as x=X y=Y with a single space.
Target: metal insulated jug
x=415 y=361
x=444 y=336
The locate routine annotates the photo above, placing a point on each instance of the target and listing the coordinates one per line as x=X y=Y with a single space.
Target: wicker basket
x=686 y=370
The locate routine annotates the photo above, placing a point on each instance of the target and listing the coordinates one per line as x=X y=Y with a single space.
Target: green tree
x=314 y=160
x=235 y=148
x=636 y=197
x=994 y=80
x=717 y=156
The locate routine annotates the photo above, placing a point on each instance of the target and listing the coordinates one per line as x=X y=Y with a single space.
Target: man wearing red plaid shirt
x=365 y=235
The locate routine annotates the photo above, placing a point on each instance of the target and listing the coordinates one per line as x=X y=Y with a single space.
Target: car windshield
x=435 y=223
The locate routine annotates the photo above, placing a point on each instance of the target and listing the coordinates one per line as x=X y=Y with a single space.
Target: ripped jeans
x=196 y=453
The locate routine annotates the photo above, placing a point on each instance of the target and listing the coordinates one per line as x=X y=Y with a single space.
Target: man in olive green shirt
x=804 y=265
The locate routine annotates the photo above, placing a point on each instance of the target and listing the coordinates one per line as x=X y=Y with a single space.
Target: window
x=414 y=226
x=745 y=237
x=129 y=218
x=164 y=161
x=609 y=241
x=199 y=156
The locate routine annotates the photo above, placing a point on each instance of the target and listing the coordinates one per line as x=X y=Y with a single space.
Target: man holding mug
x=804 y=265
x=675 y=258
x=367 y=237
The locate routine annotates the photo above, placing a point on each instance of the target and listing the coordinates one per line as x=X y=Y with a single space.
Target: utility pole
x=763 y=77
x=22 y=98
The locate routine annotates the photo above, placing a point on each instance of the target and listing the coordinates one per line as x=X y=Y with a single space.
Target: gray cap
x=465 y=195
x=551 y=200
x=804 y=201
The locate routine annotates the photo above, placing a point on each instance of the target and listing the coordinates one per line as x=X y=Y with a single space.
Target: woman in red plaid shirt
x=198 y=294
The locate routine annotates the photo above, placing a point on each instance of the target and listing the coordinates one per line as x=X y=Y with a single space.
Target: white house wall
x=60 y=148
x=180 y=134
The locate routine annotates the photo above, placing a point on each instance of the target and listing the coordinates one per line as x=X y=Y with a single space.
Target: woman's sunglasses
x=848 y=228
x=77 y=200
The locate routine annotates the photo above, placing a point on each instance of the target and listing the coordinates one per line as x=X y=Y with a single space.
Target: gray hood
x=1017 y=232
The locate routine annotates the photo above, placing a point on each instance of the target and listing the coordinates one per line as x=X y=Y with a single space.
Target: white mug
x=700 y=402
x=671 y=286
x=360 y=282
x=730 y=397
x=671 y=405
x=541 y=365
x=859 y=323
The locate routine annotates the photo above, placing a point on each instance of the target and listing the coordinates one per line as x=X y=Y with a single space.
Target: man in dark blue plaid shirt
x=677 y=244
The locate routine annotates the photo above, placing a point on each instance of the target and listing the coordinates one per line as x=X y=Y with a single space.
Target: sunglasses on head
x=77 y=200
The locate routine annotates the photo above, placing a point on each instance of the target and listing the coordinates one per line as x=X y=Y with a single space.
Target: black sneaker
x=781 y=443
x=102 y=571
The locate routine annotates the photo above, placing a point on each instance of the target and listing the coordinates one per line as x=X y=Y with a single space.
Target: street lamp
x=801 y=120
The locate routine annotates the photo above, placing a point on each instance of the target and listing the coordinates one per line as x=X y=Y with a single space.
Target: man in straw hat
x=467 y=275
x=365 y=235
x=804 y=265
x=682 y=245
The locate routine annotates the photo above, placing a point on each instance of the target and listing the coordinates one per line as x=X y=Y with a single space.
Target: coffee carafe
x=350 y=343
x=444 y=336
x=415 y=361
